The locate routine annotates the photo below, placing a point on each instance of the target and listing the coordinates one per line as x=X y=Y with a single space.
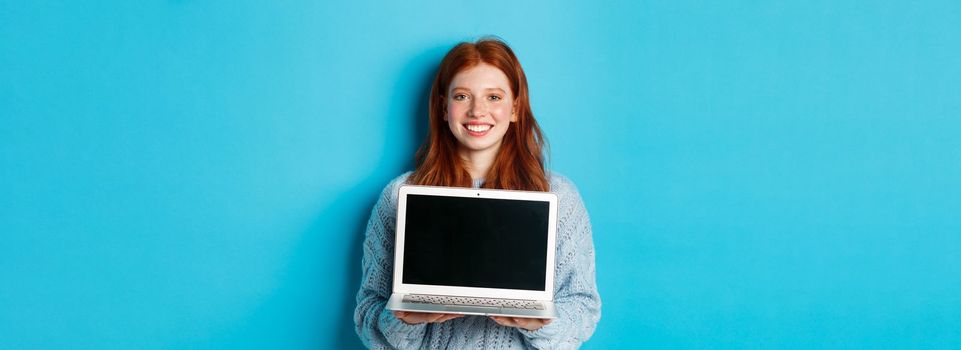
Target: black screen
x=476 y=242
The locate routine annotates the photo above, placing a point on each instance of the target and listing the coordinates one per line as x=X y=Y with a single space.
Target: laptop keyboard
x=464 y=301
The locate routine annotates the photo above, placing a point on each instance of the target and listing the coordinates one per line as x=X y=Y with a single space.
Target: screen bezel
x=406 y=288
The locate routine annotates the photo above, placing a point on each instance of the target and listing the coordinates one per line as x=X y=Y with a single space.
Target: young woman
x=482 y=133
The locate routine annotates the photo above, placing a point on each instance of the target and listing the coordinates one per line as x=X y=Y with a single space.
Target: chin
x=474 y=146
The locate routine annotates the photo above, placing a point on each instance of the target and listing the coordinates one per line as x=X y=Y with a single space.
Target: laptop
x=474 y=252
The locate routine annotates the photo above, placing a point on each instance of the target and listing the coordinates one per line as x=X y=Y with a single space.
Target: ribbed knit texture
x=575 y=289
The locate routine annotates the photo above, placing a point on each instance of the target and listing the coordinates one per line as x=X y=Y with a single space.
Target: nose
x=477 y=109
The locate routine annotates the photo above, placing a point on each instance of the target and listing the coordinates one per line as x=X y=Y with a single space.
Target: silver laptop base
x=471 y=306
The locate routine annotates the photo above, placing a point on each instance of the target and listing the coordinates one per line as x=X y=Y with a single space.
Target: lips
x=478 y=129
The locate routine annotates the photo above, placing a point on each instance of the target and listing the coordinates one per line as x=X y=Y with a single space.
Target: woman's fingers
x=504 y=321
x=421 y=317
x=530 y=324
x=450 y=317
x=519 y=322
x=411 y=317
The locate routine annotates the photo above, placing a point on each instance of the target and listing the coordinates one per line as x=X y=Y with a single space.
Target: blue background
x=198 y=174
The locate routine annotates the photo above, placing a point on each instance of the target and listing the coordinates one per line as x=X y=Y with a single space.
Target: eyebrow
x=487 y=89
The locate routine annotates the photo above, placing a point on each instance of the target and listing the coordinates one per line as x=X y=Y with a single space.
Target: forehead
x=480 y=77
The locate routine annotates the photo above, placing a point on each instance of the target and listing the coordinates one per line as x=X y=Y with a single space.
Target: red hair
x=519 y=164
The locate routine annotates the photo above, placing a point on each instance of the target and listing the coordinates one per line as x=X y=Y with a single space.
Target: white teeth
x=478 y=128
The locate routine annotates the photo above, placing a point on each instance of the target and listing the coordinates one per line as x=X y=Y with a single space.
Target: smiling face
x=480 y=108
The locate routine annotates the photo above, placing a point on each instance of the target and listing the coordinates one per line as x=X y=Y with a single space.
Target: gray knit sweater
x=575 y=289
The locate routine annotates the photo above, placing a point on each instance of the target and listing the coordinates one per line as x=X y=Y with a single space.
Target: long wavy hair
x=519 y=163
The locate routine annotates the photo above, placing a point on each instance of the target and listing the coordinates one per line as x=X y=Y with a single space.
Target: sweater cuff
x=542 y=337
x=394 y=328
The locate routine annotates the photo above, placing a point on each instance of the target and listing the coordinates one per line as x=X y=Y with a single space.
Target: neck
x=478 y=162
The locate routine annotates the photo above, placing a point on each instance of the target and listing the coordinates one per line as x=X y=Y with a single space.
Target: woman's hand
x=421 y=317
x=531 y=324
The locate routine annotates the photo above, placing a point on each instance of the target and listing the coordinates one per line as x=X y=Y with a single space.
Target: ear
x=444 y=107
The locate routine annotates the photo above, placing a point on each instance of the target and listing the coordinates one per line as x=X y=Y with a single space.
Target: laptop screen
x=476 y=242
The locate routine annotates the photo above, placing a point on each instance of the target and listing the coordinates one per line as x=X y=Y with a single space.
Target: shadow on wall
x=410 y=97
x=322 y=307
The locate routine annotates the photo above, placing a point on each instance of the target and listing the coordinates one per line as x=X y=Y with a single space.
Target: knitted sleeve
x=575 y=288
x=377 y=327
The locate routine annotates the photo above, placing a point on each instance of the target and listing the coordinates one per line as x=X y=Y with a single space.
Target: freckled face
x=480 y=107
